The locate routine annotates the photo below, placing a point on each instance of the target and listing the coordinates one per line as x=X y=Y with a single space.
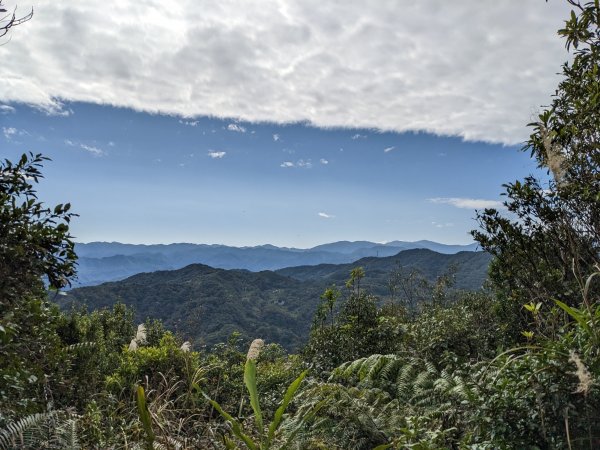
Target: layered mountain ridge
x=100 y=262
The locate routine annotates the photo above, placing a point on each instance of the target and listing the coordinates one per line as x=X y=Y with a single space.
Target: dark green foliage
x=35 y=246
x=352 y=327
x=34 y=239
x=206 y=305
x=475 y=327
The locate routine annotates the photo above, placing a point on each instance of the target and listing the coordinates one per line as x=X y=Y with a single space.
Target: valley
x=206 y=304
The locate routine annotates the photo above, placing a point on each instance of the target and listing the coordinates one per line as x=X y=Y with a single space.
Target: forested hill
x=207 y=304
x=471 y=269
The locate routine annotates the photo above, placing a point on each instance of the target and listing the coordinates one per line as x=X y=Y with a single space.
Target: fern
x=50 y=430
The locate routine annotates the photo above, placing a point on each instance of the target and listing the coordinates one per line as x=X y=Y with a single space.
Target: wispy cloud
x=358 y=136
x=216 y=154
x=93 y=150
x=305 y=164
x=11 y=132
x=6 y=109
x=388 y=149
x=326 y=216
x=442 y=225
x=235 y=127
x=467 y=203
x=276 y=137
x=323 y=161
x=189 y=123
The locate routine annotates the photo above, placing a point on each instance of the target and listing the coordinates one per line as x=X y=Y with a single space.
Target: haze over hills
x=206 y=304
x=110 y=261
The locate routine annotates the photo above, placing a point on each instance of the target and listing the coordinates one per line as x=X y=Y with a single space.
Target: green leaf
x=145 y=417
x=236 y=427
x=574 y=314
x=250 y=381
x=289 y=395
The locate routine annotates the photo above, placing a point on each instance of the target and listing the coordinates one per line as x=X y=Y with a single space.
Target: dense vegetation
x=205 y=305
x=518 y=367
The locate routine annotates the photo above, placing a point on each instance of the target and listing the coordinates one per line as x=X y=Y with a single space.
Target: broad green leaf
x=574 y=314
x=145 y=417
x=289 y=395
x=250 y=381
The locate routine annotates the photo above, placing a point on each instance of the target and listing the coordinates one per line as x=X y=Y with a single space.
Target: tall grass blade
x=145 y=417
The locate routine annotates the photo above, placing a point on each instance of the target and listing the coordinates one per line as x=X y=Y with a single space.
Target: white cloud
x=467 y=203
x=276 y=137
x=6 y=109
x=452 y=68
x=93 y=150
x=9 y=132
x=358 y=136
x=306 y=164
x=189 y=123
x=326 y=216
x=300 y=163
x=442 y=225
x=388 y=149
x=323 y=161
x=235 y=127
x=216 y=154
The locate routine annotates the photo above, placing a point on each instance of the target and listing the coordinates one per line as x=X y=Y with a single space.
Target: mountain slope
x=206 y=304
x=471 y=269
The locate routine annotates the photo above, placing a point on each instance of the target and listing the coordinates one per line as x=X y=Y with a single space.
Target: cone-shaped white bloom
x=254 y=350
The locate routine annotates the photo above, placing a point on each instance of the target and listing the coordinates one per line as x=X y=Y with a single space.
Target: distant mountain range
x=110 y=261
x=206 y=304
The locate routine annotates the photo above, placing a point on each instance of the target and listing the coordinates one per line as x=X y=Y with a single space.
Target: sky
x=293 y=123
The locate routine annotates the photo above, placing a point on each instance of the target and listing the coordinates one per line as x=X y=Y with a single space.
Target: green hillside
x=207 y=304
x=471 y=269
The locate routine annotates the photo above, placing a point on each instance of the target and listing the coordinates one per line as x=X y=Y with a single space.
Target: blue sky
x=291 y=122
x=142 y=178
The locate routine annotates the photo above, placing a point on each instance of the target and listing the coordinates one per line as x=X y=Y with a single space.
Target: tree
x=35 y=243
x=10 y=20
x=552 y=241
x=35 y=248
